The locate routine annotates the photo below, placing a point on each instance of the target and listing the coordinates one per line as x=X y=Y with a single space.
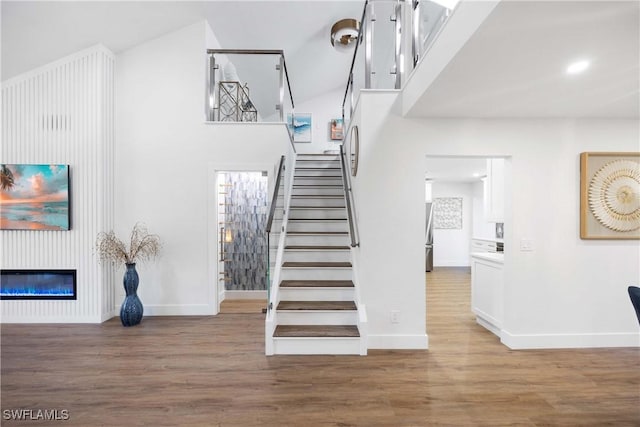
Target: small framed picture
x=336 y=127
x=300 y=126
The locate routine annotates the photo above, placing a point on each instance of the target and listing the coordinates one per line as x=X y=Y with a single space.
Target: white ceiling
x=455 y=169
x=35 y=33
x=514 y=65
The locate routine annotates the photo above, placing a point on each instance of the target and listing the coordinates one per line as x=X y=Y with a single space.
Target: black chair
x=634 y=294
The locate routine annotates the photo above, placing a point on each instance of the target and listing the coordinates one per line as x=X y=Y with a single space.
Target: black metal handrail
x=274 y=199
x=347 y=196
x=355 y=54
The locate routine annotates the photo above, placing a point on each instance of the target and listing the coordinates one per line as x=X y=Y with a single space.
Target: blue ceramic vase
x=131 y=310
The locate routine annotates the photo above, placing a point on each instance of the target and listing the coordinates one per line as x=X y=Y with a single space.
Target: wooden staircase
x=317 y=311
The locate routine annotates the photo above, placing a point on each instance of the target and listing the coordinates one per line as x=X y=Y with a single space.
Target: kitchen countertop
x=489 y=256
x=488 y=239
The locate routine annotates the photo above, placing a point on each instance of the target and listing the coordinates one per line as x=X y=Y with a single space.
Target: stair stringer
x=363 y=324
x=271 y=320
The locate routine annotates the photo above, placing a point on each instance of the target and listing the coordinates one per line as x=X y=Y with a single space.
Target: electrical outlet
x=395 y=316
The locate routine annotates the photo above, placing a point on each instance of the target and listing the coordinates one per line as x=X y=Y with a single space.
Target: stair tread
x=317 y=186
x=317 y=196
x=316 y=284
x=319 y=247
x=317 y=331
x=324 y=264
x=315 y=207
x=304 y=233
x=317 y=219
x=317 y=305
x=324 y=176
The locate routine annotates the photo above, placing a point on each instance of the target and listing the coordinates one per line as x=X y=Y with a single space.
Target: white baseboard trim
x=57 y=319
x=179 y=310
x=114 y=313
x=245 y=295
x=549 y=341
x=398 y=342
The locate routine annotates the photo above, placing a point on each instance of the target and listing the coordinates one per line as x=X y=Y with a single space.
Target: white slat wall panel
x=63 y=113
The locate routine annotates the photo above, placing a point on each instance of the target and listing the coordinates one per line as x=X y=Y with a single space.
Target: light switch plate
x=526 y=245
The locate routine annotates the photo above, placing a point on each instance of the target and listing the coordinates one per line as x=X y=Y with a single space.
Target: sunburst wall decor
x=610 y=197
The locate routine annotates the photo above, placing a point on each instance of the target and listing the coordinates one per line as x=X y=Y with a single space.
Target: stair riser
x=316 y=294
x=316 y=346
x=305 y=157
x=318 y=164
x=318 y=192
x=317 y=202
x=309 y=180
x=317 y=318
x=289 y=273
x=321 y=172
x=318 y=240
x=314 y=226
x=320 y=255
x=319 y=213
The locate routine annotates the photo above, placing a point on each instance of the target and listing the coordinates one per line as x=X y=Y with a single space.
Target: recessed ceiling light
x=476 y=175
x=577 y=67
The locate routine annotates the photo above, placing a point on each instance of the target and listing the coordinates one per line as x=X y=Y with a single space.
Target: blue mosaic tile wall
x=245 y=218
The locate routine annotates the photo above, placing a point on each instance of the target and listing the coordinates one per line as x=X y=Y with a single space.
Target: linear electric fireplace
x=38 y=284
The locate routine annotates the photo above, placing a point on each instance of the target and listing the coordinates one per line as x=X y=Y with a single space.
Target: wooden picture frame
x=610 y=195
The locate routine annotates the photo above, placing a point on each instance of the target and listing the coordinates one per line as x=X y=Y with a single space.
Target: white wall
x=391 y=220
x=480 y=227
x=62 y=113
x=451 y=247
x=567 y=292
x=167 y=157
x=323 y=109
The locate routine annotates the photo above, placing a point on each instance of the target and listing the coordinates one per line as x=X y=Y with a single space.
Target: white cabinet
x=494 y=191
x=480 y=245
x=487 y=288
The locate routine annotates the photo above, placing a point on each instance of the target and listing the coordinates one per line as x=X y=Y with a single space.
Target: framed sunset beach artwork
x=34 y=197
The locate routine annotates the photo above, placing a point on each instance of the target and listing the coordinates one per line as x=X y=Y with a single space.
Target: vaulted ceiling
x=35 y=33
x=512 y=66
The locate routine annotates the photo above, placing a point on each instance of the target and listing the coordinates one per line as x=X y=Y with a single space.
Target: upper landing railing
x=393 y=39
x=243 y=87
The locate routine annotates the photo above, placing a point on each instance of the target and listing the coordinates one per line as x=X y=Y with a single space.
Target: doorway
x=469 y=200
x=242 y=202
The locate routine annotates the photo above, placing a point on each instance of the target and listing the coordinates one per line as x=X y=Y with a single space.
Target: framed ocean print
x=34 y=197
x=610 y=195
x=300 y=126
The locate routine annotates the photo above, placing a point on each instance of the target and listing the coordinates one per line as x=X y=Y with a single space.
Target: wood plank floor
x=211 y=371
